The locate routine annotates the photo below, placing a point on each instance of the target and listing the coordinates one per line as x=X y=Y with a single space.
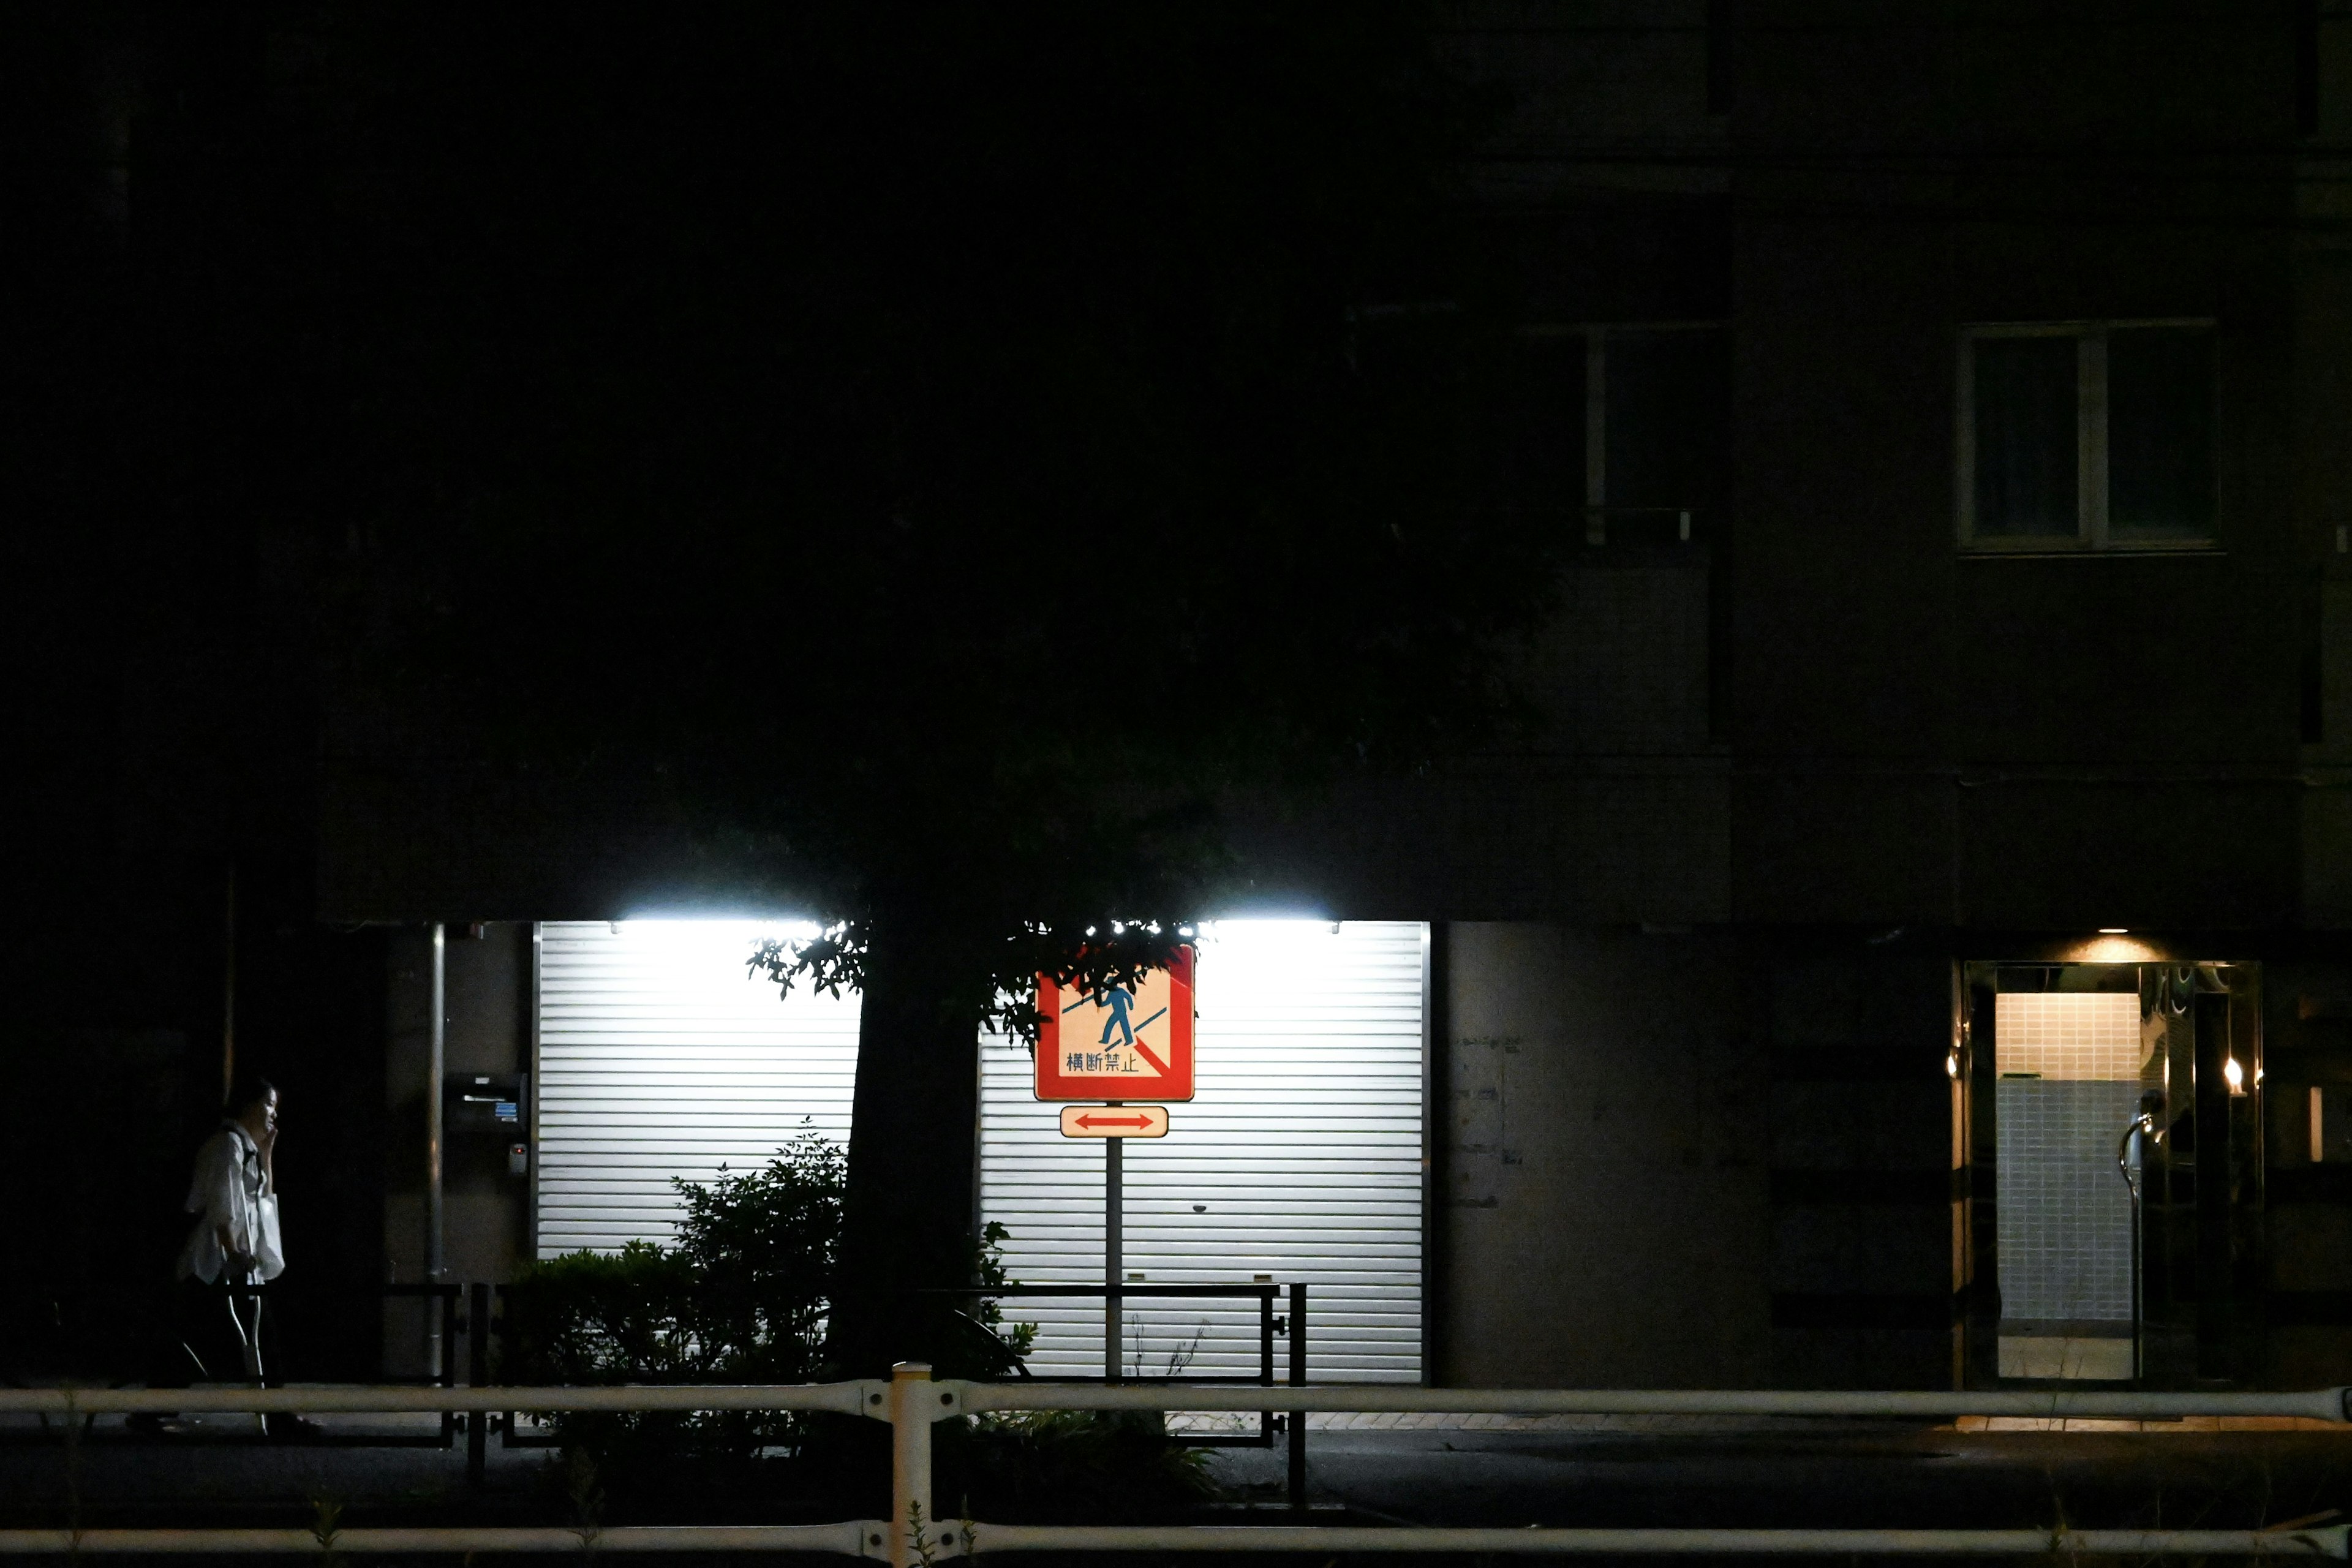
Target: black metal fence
x=472 y=1312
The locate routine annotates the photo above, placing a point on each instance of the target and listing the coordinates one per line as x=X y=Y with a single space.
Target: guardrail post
x=1299 y=1376
x=477 y=1374
x=445 y=1298
x=1266 y=1359
x=1114 y=1259
x=910 y=1458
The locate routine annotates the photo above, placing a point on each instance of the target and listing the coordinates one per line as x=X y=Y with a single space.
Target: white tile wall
x=2064 y=1229
x=2064 y=1035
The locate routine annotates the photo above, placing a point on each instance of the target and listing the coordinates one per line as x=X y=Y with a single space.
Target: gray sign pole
x=1114 y=1250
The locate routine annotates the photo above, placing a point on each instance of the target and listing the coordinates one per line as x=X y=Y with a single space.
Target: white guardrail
x=912 y=1402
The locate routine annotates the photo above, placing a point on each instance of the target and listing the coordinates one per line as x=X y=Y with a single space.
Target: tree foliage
x=1093 y=961
x=935 y=455
x=923 y=464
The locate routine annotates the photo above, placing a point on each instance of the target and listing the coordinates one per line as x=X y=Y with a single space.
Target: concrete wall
x=1926 y=735
x=1866 y=1186
x=2306 y=1043
x=1719 y=1159
x=1600 y=1220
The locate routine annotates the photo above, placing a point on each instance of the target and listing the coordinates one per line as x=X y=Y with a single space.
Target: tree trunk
x=908 y=1221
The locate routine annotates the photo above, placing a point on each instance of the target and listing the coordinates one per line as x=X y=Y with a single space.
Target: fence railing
x=1290 y=1325
x=912 y=1402
x=440 y=1304
x=472 y=1312
x=1270 y=1326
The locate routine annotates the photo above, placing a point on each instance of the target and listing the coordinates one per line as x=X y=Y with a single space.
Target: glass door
x=2202 y=1221
x=2117 y=1228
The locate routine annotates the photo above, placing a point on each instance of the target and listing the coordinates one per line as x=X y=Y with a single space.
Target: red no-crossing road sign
x=1114 y=1121
x=1124 y=1045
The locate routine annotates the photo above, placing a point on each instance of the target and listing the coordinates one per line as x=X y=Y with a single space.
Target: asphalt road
x=1845 y=1477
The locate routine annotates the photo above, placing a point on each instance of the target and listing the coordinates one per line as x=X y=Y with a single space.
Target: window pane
x=1667 y=394
x=2025 y=434
x=2160 y=433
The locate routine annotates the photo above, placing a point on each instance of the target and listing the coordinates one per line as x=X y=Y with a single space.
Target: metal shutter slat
x=659 y=1057
x=1315 y=1022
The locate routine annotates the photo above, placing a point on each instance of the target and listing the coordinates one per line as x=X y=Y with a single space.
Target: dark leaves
x=1095 y=959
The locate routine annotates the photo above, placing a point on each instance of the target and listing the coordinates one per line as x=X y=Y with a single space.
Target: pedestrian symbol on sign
x=1120 y=1000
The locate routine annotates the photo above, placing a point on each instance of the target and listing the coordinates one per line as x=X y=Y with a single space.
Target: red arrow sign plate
x=1114 y=1121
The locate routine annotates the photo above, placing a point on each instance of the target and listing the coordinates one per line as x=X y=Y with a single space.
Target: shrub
x=760 y=1250
x=741 y=1296
x=1071 y=1467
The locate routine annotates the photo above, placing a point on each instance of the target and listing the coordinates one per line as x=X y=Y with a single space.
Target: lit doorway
x=2115 y=1126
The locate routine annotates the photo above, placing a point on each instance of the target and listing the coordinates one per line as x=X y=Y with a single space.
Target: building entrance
x=2118 y=1106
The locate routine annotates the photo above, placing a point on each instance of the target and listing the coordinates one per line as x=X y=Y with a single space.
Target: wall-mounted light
x=1952 y=1067
x=2110 y=945
x=2235 y=1074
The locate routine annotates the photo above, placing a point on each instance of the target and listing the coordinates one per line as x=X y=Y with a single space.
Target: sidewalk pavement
x=1430 y=1421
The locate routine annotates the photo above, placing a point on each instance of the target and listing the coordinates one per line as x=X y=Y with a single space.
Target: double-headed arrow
x=1114 y=1121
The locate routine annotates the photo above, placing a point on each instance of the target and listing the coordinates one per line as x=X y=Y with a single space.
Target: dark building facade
x=2003 y=659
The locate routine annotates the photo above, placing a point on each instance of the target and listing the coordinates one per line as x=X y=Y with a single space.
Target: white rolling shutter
x=660 y=1056
x=1300 y=1158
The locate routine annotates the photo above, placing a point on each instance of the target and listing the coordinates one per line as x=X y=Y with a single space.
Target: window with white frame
x=2086 y=436
x=1623 y=422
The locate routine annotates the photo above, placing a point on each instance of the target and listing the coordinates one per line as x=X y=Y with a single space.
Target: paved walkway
x=1395 y=1421
x=1826 y=1474
x=2179 y=1423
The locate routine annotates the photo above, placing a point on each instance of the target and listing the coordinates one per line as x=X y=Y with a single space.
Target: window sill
x=2057 y=550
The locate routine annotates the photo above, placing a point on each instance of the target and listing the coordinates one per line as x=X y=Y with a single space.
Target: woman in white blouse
x=235 y=1241
x=234 y=1198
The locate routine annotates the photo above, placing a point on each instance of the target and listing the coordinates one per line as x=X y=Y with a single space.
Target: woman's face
x=262 y=1116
